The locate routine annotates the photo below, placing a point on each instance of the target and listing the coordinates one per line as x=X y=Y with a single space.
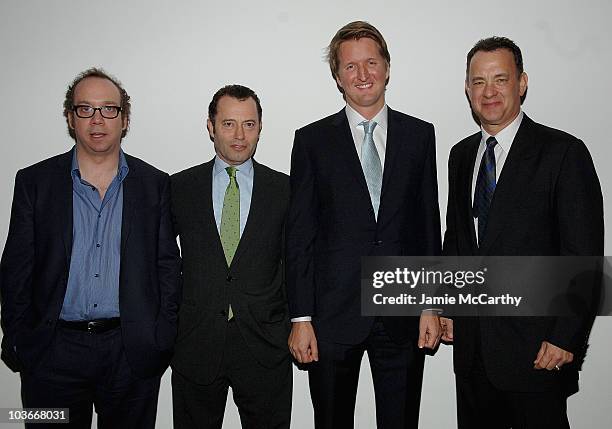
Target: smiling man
x=90 y=274
x=233 y=325
x=517 y=188
x=363 y=183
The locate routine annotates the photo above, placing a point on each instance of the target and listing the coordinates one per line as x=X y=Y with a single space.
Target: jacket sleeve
x=301 y=231
x=16 y=268
x=581 y=233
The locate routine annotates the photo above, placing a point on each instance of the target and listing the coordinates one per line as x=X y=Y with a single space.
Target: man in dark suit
x=90 y=274
x=233 y=326
x=517 y=188
x=363 y=183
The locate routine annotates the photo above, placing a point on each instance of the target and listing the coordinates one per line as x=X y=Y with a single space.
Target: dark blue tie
x=485 y=187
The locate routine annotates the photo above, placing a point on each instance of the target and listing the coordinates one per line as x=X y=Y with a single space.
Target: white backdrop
x=172 y=56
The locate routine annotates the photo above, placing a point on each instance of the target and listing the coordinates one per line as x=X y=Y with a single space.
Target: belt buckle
x=90 y=327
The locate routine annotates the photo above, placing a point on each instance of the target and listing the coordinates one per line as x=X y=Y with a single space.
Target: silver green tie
x=230 y=222
x=370 y=162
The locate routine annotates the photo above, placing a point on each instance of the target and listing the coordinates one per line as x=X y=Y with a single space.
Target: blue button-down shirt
x=244 y=178
x=93 y=279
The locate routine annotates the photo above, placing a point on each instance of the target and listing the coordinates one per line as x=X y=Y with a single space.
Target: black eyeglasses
x=107 y=112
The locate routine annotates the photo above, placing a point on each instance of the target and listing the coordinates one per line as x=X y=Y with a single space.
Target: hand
x=430 y=330
x=552 y=357
x=303 y=342
x=447 y=329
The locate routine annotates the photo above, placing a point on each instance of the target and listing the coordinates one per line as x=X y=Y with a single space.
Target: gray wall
x=172 y=56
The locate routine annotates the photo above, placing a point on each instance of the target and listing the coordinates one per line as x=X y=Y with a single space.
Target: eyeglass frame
x=74 y=109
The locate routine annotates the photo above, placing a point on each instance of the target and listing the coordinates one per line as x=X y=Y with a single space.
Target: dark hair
x=100 y=73
x=494 y=43
x=354 y=31
x=235 y=91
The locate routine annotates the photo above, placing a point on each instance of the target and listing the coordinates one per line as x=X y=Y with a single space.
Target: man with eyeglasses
x=90 y=274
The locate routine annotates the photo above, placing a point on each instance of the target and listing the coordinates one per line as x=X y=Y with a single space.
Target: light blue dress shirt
x=93 y=278
x=220 y=180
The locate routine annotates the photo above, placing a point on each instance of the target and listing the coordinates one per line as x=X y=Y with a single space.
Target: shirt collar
x=122 y=170
x=245 y=168
x=355 y=119
x=506 y=136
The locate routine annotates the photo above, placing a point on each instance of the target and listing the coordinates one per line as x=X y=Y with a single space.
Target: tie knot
x=368 y=126
x=491 y=142
x=231 y=171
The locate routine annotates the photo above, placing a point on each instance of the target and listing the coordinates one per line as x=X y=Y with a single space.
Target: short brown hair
x=96 y=72
x=354 y=31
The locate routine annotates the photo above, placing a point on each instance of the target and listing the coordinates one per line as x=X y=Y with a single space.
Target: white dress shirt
x=504 y=141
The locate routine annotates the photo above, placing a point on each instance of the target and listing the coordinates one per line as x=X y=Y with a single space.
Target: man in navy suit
x=363 y=183
x=517 y=188
x=90 y=274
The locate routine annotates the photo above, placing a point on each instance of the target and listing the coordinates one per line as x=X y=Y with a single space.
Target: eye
x=110 y=109
x=372 y=62
x=477 y=82
x=85 y=109
x=249 y=124
x=501 y=80
x=350 y=67
x=227 y=124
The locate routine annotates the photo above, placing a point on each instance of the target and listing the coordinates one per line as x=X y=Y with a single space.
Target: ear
x=466 y=88
x=388 y=72
x=211 y=129
x=523 y=83
x=70 y=118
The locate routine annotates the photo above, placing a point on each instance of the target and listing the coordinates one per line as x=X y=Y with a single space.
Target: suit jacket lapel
x=132 y=192
x=203 y=205
x=512 y=182
x=465 y=189
x=346 y=148
x=395 y=133
x=257 y=210
x=64 y=201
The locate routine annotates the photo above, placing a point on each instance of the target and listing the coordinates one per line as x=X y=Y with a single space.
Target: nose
x=490 y=90
x=239 y=133
x=97 y=117
x=363 y=73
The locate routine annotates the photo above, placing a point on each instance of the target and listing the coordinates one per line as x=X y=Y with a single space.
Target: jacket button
x=377 y=243
x=229 y=278
x=223 y=313
x=49 y=322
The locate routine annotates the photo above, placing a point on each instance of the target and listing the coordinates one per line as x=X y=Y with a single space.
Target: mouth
x=238 y=147
x=364 y=85
x=97 y=135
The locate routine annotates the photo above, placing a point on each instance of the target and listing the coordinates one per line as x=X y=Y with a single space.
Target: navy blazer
x=331 y=222
x=36 y=261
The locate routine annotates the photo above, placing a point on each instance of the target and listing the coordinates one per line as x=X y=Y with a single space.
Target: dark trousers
x=397 y=373
x=83 y=370
x=262 y=395
x=480 y=405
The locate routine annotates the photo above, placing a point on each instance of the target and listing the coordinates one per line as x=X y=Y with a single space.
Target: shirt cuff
x=302 y=319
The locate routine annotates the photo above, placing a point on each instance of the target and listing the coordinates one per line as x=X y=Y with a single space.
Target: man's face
x=236 y=129
x=362 y=74
x=494 y=88
x=97 y=135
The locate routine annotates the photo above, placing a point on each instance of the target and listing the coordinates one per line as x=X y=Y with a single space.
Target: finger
x=314 y=350
x=539 y=356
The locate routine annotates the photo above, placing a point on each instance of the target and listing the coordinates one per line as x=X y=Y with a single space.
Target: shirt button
x=98 y=245
x=96 y=275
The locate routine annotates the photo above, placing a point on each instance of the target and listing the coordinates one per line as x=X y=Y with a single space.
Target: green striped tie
x=230 y=221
